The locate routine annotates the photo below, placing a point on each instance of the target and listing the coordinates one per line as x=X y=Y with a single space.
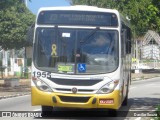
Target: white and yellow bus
x=81 y=58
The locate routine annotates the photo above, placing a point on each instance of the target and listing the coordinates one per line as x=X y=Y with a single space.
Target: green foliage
x=158 y=113
x=15 y=19
x=144 y=14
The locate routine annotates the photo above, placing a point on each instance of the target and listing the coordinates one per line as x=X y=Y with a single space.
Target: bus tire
x=125 y=101
x=47 y=111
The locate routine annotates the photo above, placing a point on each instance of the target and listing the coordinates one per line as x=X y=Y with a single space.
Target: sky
x=34 y=5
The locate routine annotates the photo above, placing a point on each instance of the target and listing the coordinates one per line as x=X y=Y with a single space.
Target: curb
x=16 y=95
x=139 y=79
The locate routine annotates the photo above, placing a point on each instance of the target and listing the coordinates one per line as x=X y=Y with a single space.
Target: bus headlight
x=108 y=88
x=42 y=85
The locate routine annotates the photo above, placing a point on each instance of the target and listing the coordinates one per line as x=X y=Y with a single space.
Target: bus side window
x=123 y=43
x=128 y=41
x=126 y=35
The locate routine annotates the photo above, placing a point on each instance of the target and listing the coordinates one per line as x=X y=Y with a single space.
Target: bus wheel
x=125 y=101
x=47 y=111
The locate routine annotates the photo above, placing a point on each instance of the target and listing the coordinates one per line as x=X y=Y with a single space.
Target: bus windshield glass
x=76 y=51
x=77 y=18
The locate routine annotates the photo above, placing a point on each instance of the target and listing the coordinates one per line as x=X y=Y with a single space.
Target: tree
x=144 y=14
x=15 y=19
x=155 y=12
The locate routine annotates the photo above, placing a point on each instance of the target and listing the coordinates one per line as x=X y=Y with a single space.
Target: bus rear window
x=77 y=18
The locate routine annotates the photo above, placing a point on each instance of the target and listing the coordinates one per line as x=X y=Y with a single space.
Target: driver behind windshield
x=99 y=44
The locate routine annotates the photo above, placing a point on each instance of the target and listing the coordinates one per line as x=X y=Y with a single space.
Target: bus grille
x=74 y=82
x=74 y=99
x=69 y=90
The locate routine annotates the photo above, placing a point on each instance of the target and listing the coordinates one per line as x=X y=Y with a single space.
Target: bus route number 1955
x=42 y=74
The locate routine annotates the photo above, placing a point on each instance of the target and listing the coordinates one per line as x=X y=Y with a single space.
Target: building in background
x=150 y=47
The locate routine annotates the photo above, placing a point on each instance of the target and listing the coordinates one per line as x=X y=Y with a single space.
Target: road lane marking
x=139 y=118
x=37 y=110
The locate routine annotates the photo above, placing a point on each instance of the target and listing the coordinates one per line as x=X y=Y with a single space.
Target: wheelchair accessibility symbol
x=81 y=67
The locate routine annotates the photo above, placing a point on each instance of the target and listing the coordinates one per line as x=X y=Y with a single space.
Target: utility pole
x=25 y=57
x=5 y=62
x=137 y=58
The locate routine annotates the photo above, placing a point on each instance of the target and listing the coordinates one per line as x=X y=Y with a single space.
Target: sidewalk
x=22 y=89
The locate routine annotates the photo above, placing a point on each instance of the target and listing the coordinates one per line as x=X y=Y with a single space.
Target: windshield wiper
x=89 y=35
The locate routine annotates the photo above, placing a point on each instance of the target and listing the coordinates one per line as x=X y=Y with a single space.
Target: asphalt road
x=144 y=95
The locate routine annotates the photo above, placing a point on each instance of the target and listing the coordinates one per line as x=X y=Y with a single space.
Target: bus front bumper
x=110 y=101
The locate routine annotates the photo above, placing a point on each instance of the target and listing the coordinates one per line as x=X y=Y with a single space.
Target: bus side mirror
x=30 y=34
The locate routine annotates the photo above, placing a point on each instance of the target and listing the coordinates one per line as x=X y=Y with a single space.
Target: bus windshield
x=76 y=51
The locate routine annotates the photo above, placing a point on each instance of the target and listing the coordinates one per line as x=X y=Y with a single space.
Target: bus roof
x=79 y=8
x=86 y=8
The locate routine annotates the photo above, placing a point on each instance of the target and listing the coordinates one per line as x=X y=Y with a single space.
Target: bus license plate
x=106 y=101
